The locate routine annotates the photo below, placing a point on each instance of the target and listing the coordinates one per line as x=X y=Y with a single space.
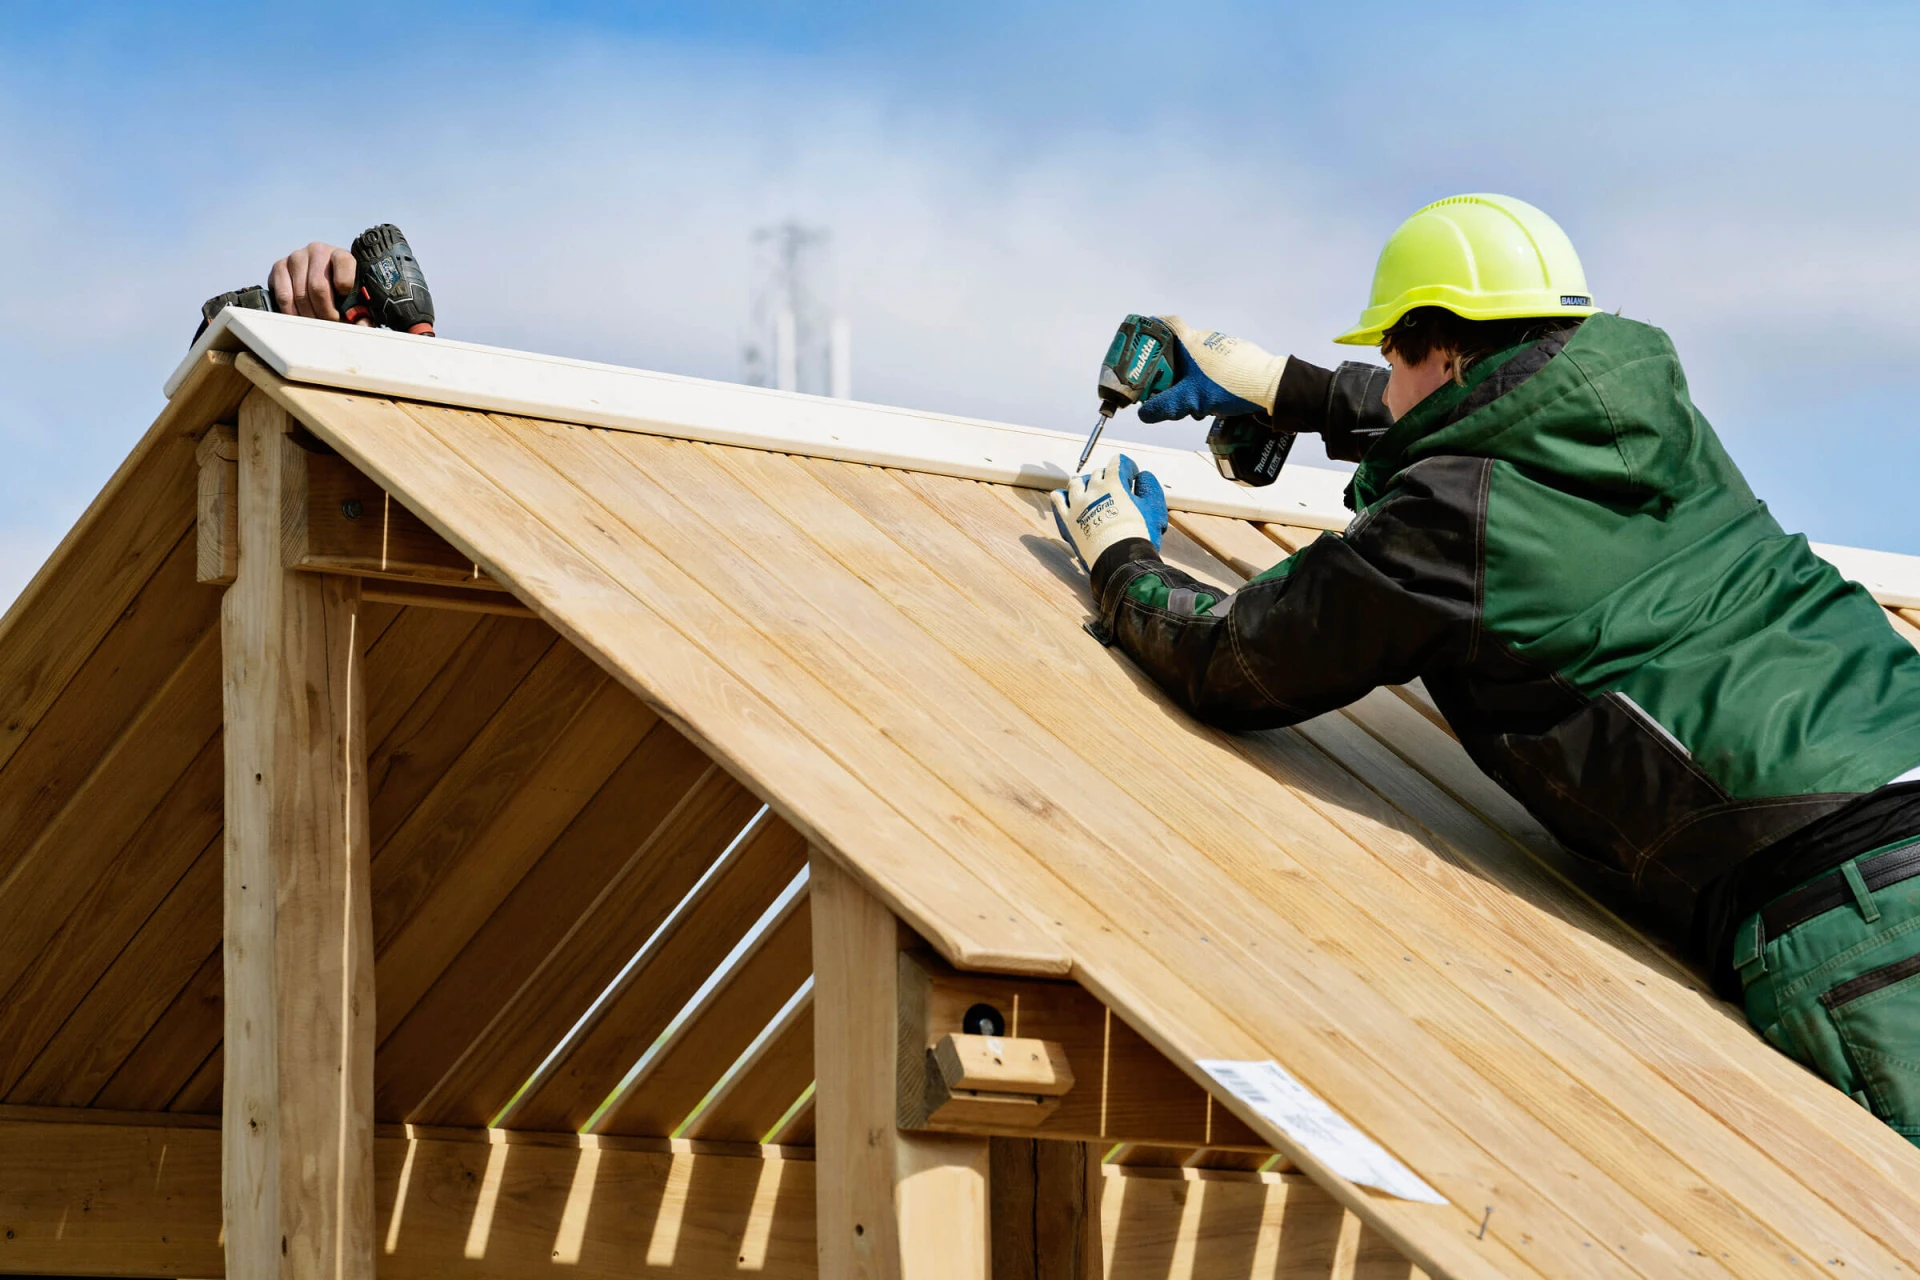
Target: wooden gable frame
x=562 y=928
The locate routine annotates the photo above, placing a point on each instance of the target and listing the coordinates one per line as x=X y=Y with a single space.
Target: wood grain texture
x=679 y=957
x=1348 y=916
x=137 y=520
x=661 y=663
x=180 y=1045
x=354 y=526
x=297 y=1138
x=766 y=1085
x=719 y=1029
x=132 y=1198
x=890 y=1205
x=557 y=942
x=217 y=508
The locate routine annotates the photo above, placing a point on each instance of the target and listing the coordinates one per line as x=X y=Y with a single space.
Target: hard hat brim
x=1375 y=321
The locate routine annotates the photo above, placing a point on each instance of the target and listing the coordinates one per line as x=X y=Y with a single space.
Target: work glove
x=1121 y=501
x=1220 y=376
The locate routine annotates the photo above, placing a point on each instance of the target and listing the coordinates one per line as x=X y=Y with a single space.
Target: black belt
x=1820 y=896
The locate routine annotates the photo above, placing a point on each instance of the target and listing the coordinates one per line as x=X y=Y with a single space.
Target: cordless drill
x=388 y=287
x=1246 y=447
x=1139 y=364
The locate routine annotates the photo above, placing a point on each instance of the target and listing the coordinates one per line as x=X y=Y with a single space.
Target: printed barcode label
x=1269 y=1089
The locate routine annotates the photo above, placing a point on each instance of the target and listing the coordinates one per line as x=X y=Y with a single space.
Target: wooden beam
x=432 y=595
x=764 y=1088
x=140 y=1196
x=217 y=522
x=1042 y=1227
x=1124 y=1090
x=349 y=524
x=297 y=1184
x=891 y=1205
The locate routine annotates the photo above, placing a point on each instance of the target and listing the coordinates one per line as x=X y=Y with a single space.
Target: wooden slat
x=297 y=1128
x=135 y=658
x=137 y=520
x=426 y=595
x=719 y=1029
x=104 y=930
x=949 y=505
x=548 y=802
x=131 y=995
x=764 y=1088
x=796 y=1129
x=404 y=661
x=460 y=699
x=889 y=1204
x=486 y=776
x=716 y=562
x=177 y=1047
x=143 y=1198
x=544 y=957
x=1210 y=1224
x=661 y=982
x=132 y=778
x=660 y=662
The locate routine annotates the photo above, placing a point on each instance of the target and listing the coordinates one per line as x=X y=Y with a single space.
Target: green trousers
x=1841 y=993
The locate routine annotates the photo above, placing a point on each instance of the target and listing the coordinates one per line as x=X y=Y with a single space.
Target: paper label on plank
x=1269 y=1089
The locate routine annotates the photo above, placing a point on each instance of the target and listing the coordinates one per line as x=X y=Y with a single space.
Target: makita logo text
x=1149 y=348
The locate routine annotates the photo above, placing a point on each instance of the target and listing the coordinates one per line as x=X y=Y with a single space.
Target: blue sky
x=1004 y=181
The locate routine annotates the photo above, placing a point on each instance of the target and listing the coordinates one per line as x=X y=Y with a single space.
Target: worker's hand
x=308 y=281
x=1121 y=501
x=1219 y=375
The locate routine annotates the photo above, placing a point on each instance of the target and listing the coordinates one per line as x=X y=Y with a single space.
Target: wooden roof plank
x=402 y=663
x=619 y=623
x=458 y=704
x=718 y=1030
x=765 y=1086
x=548 y=800
x=468 y=1048
x=953 y=506
x=145 y=645
x=689 y=948
x=704 y=553
x=128 y=530
x=175 y=1048
x=490 y=768
x=133 y=778
x=126 y=951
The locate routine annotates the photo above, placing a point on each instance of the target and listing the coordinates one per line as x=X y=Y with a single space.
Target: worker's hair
x=1424 y=330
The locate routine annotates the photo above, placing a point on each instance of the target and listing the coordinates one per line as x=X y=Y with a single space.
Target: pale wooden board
x=1765 y=1058
x=44 y=1019
x=766 y=1085
x=70 y=853
x=548 y=954
x=678 y=960
x=719 y=1029
x=550 y=802
x=660 y=663
x=180 y=1044
x=78 y=595
x=1176 y=1019
x=704 y=553
x=1180 y=1011
x=133 y=1197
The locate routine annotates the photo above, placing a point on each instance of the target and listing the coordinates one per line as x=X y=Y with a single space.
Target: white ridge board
x=497 y=379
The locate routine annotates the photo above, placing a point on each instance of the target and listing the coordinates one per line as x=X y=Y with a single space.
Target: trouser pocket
x=1877 y=1016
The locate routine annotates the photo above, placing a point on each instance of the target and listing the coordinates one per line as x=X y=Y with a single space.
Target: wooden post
x=297 y=1127
x=892 y=1205
x=1041 y=1212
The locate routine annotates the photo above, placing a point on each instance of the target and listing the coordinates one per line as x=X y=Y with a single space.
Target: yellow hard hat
x=1482 y=257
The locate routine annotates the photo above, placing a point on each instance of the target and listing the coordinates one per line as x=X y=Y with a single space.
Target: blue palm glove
x=1120 y=501
x=1220 y=376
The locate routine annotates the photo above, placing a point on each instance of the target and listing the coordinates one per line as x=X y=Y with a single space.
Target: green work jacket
x=1615 y=627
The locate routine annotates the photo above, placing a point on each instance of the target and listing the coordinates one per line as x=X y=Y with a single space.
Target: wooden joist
x=134 y=1195
x=297 y=1150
